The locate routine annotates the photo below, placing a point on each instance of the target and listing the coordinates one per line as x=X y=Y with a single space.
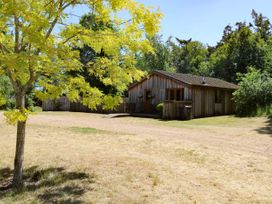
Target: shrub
x=159 y=108
x=254 y=96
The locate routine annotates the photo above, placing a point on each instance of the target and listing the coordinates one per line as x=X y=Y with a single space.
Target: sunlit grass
x=217 y=121
x=87 y=130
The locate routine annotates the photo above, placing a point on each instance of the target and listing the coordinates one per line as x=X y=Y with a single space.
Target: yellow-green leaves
x=39 y=48
x=13 y=116
x=114 y=72
x=110 y=102
x=3 y=100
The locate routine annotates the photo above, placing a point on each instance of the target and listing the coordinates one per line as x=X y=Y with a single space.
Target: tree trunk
x=20 y=143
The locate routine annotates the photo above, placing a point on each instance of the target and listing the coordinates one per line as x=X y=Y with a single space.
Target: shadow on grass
x=268 y=127
x=51 y=185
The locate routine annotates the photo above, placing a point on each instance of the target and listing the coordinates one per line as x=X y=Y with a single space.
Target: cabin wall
x=157 y=85
x=204 y=104
x=202 y=98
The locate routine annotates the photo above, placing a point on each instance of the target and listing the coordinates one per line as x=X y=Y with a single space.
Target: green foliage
x=254 y=94
x=189 y=57
x=242 y=45
x=15 y=115
x=33 y=52
x=35 y=109
x=88 y=56
x=85 y=130
x=239 y=49
x=159 y=108
x=262 y=25
x=7 y=99
x=160 y=59
x=7 y=95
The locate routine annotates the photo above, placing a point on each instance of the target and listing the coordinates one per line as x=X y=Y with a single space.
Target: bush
x=35 y=109
x=159 y=108
x=254 y=96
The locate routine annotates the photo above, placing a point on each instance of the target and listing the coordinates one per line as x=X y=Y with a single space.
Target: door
x=148 y=101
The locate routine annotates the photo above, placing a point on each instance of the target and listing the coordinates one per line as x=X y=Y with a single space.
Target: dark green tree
x=189 y=56
x=262 y=25
x=239 y=49
x=160 y=59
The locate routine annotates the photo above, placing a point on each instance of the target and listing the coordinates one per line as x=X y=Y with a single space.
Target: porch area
x=181 y=110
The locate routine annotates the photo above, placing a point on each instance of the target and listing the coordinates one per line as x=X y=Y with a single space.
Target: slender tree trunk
x=20 y=143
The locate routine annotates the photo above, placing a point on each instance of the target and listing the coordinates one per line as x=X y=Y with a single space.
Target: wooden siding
x=157 y=85
x=204 y=102
x=203 y=99
x=177 y=110
x=63 y=104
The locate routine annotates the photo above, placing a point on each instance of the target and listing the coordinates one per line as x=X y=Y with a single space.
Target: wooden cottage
x=184 y=96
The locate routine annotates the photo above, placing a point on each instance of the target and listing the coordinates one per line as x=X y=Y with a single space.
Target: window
x=147 y=95
x=178 y=94
x=218 y=96
x=175 y=94
x=172 y=94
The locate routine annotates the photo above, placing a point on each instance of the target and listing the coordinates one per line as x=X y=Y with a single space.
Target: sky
x=202 y=20
x=205 y=20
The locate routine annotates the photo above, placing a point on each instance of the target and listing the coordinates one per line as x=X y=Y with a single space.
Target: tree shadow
x=51 y=185
x=268 y=127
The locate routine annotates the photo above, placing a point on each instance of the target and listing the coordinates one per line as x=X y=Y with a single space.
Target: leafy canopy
x=159 y=59
x=37 y=47
x=255 y=92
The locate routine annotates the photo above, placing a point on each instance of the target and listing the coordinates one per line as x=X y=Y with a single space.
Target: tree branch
x=32 y=76
x=13 y=81
x=4 y=49
x=55 y=20
x=17 y=33
x=71 y=37
x=61 y=8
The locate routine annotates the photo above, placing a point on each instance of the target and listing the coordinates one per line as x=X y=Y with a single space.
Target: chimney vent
x=203 y=80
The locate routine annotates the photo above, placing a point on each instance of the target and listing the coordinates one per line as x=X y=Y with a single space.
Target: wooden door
x=148 y=101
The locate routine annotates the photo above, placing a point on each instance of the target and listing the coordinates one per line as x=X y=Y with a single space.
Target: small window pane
x=182 y=95
x=178 y=98
x=172 y=94
x=147 y=95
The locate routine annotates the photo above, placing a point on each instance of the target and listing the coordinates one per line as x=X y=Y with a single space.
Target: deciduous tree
x=36 y=44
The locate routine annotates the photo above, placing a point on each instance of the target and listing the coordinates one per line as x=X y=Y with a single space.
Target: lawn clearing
x=87 y=158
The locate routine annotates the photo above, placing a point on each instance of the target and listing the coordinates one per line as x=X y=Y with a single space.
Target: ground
x=89 y=158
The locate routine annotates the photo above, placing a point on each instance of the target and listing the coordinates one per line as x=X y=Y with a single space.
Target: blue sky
x=202 y=20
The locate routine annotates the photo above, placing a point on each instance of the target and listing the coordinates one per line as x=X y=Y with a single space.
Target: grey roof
x=198 y=80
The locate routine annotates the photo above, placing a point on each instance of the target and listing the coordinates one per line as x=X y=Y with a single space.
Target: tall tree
x=239 y=49
x=34 y=51
x=262 y=25
x=189 y=56
x=160 y=59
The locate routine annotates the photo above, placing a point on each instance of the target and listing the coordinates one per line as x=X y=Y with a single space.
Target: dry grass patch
x=190 y=155
x=86 y=158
